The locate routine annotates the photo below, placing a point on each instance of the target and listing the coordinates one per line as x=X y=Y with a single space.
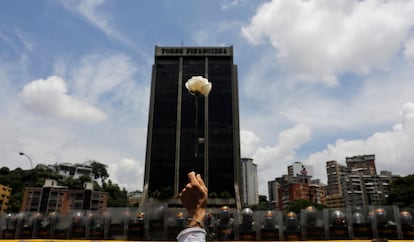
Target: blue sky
x=318 y=80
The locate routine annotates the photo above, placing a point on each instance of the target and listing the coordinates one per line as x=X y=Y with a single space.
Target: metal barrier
x=158 y=222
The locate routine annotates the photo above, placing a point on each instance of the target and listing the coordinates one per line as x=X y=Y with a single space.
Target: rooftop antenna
x=182 y=43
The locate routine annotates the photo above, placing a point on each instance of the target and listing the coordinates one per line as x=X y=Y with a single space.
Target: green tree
x=117 y=197
x=299 y=204
x=39 y=175
x=212 y=195
x=15 y=201
x=4 y=171
x=84 y=179
x=16 y=179
x=263 y=204
x=402 y=192
x=225 y=194
x=262 y=199
x=99 y=170
x=163 y=193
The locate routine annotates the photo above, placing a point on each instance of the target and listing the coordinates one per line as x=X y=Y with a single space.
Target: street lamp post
x=31 y=165
x=28 y=157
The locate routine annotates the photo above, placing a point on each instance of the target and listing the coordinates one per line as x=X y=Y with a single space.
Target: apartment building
x=357 y=184
x=295 y=186
x=5 y=192
x=362 y=163
x=249 y=187
x=361 y=190
x=61 y=199
x=72 y=170
x=335 y=172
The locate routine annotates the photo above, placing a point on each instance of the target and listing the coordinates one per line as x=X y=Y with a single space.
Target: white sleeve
x=192 y=235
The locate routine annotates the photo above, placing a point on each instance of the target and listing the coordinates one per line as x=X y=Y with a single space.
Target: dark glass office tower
x=188 y=133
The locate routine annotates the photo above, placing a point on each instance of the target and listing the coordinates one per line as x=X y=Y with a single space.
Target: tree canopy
x=99 y=170
x=402 y=192
x=299 y=204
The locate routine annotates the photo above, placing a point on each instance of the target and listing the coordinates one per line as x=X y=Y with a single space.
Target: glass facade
x=188 y=133
x=164 y=126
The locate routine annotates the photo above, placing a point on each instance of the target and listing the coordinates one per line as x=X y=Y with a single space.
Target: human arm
x=194 y=199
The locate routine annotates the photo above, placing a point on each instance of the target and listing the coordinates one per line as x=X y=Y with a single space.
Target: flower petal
x=195 y=83
x=205 y=89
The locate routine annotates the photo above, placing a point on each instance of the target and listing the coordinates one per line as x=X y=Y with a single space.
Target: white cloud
x=215 y=34
x=88 y=8
x=50 y=97
x=272 y=160
x=228 y=4
x=107 y=80
x=409 y=49
x=26 y=42
x=248 y=143
x=128 y=173
x=352 y=110
x=317 y=40
x=407 y=113
x=94 y=12
x=98 y=74
x=113 y=81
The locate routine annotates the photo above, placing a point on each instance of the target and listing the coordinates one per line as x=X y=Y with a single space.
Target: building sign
x=194 y=51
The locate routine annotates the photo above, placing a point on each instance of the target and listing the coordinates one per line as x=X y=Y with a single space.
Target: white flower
x=198 y=85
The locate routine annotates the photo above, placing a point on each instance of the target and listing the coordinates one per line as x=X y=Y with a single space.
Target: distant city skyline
x=318 y=80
